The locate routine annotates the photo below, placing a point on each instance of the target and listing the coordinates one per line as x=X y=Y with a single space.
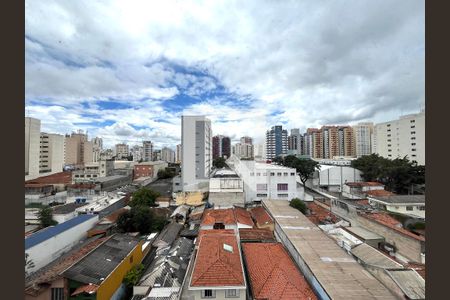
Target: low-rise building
x=99 y=275
x=357 y=190
x=333 y=178
x=408 y=205
x=149 y=169
x=217 y=269
x=262 y=218
x=65 y=212
x=265 y=181
x=225 y=189
x=49 y=243
x=273 y=274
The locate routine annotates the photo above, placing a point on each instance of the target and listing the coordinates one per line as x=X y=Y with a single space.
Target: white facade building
x=265 y=181
x=178 y=154
x=333 y=178
x=243 y=150
x=147 y=151
x=167 y=155
x=32 y=141
x=51 y=158
x=402 y=137
x=362 y=134
x=122 y=151
x=259 y=151
x=196 y=141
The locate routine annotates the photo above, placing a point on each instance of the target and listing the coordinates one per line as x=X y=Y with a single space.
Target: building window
x=272 y=174
x=412 y=121
x=293 y=174
x=413 y=126
x=231 y=293
x=283 y=195
x=282 y=187
x=413 y=138
x=409 y=208
x=219 y=226
x=258 y=174
x=413 y=149
x=388 y=125
x=261 y=195
x=264 y=174
x=285 y=174
x=261 y=187
x=413 y=132
x=389 y=130
x=252 y=174
x=279 y=174
x=389 y=135
x=421 y=207
x=413 y=144
x=208 y=294
x=57 y=294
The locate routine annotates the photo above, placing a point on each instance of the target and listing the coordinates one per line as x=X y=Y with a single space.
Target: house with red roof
x=262 y=218
x=218 y=270
x=273 y=274
x=230 y=218
x=357 y=190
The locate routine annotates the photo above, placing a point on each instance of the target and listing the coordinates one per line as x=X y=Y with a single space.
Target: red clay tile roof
x=39 y=280
x=37 y=185
x=88 y=288
x=213 y=231
x=256 y=234
x=273 y=274
x=215 y=266
x=112 y=218
x=57 y=178
x=212 y=216
x=390 y=222
x=261 y=216
x=319 y=214
x=361 y=184
x=379 y=193
x=362 y=202
x=243 y=216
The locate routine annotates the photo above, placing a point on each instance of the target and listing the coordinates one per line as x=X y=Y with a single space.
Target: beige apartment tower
x=78 y=150
x=32 y=141
x=51 y=153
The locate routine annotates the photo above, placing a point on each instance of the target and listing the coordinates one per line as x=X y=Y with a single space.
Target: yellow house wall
x=114 y=280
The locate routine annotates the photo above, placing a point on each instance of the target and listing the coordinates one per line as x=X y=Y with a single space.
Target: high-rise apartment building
x=362 y=134
x=147 y=150
x=196 y=141
x=402 y=137
x=156 y=155
x=137 y=152
x=295 y=142
x=78 y=150
x=178 y=154
x=51 y=153
x=122 y=151
x=276 y=142
x=32 y=142
x=259 y=151
x=167 y=155
x=246 y=140
x=97 y=147
x=243 y=150
x=346 y=141
x=221 y=146
x=313 y=142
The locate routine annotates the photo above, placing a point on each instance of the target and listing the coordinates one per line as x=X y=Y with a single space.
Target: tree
x=29 y=264
x=219 y=163
x=166 y=173
x=304 y=167
x=298 y=204
x=145 y=197
x=132 y=277
x=45 y=216
x=140 y=219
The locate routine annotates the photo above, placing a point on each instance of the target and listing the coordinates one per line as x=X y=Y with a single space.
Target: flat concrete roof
x=339 y=274
x=373 y=257
x=409 y=282
x=363 y=233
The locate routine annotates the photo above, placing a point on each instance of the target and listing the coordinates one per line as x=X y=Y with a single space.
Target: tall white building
x=137 y=152
x=32 y=150
x=259 y=151
x=362 y=134
x=51 y=153
x=167 y=155
x=147 y=154
x=404 y=136
x=243 y=150
x=196 y=145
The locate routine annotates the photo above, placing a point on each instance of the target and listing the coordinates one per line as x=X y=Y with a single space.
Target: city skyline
x=297 y=65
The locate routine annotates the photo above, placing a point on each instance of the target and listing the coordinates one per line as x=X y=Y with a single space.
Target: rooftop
x=409 y=282
x=243 y=216
x=67 y=208
x=212 y=216
x=319 y=214
x=50 y=232
x=254 y=234
x=169 y=233
x=57 y=178
x=260 y=216
x=189 y=198
x=273 y=274
x=96 y=267
x=373 y=257
x=403 y=199
x=379 y=193
x=38 y=281
x=362 y=233
x=224 y=173
x=218 y=262
x=387 y=220
x=337 y=272
x=361 y=184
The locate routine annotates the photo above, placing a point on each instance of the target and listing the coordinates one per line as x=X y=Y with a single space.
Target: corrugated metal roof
x=50 y=232
x=409 y=282
x=373 y=257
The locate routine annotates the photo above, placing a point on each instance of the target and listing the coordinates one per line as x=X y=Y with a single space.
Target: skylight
x=228 y=248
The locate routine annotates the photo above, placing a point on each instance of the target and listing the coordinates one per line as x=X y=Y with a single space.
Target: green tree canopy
x=45 y=216
x=133 y=275
x=304 y=167
x=219 y=163
x=166 y=173
x=298 y=204
x=140 y=219
x=398 y=175
x=145 y=197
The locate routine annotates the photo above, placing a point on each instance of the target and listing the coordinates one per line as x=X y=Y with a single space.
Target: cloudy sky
x=127 y=70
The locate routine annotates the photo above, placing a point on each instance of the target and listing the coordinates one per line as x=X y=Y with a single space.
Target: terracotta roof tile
x=215 y=232
x=212 y=216
x=273 y=274
x=319 y=214
x=386 y=220
x=379 y=193
x=58 y=178
x=252 y=234
x=261 y=216
x=361 y=184
x=88 y=288
x=215 y=266
x=243 y=216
